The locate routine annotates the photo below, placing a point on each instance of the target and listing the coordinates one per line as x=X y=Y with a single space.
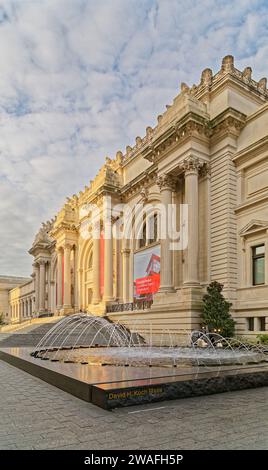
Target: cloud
x=79 y=79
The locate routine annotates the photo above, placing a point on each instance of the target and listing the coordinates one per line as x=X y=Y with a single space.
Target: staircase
x=28 y=336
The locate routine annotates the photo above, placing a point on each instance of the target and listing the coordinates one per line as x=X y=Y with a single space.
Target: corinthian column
x=59 y=278
x=67 y=277
x=167 y=185
x=42 y=285
x=191 y=168
x=36 y=285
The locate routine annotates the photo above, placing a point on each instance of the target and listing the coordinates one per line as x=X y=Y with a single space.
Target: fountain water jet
x=88 y=339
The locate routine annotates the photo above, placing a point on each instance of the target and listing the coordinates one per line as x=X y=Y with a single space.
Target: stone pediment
x=253 y=226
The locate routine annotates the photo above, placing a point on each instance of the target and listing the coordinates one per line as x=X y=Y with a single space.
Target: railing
x=129 y=307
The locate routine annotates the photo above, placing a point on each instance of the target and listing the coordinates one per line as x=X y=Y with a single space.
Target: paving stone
x=35 y=415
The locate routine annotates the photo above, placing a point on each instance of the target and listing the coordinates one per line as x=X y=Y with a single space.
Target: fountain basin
x=144 y=356
x=112 y=387
x=110 y=365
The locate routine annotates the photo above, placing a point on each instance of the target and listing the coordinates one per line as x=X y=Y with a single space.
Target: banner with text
x=146 y=272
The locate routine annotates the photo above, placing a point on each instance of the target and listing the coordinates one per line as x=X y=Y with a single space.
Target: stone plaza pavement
x=36 y=415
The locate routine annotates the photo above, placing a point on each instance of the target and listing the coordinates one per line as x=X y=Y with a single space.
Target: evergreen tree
x=216 y=311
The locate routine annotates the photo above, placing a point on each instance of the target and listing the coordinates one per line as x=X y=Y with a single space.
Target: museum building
x=209 y=151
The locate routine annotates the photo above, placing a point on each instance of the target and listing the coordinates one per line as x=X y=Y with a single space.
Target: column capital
x=67 y=247
x=166 y=182
x=195 y=165
x=191 y=165
x=42 y=262
x=125 y=251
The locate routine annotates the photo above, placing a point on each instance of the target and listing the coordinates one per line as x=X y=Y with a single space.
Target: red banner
x=148 y=284
x=102 y=241
x=62 y=277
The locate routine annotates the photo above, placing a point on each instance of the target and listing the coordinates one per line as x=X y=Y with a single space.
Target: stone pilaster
x=167 y=184
x=20 y=310
x=67 y=277
x=126 y=256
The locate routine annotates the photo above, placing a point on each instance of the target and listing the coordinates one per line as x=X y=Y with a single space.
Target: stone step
x=73 y=335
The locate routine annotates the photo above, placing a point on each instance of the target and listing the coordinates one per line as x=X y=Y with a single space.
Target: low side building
x=7 y=285
x=22 y=302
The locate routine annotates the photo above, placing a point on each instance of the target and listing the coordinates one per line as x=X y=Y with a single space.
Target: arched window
x=149 y=231
x=143 y=239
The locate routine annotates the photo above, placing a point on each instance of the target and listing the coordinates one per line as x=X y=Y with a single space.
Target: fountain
x=87 y=339
x=112 y=365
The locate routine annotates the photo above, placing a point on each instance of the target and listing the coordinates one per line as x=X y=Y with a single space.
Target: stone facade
x=209 y=150
x=10 y=303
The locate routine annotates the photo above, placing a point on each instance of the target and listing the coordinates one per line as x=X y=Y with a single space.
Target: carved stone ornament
x=247 y=72
x=205 y=169
x=43 y=234
x=185 y=88
x=206 y=77
x=227 y=64
x=166 y=182
x=191 y=164
x=229 y=124
x=144 y=194
x=262 y=84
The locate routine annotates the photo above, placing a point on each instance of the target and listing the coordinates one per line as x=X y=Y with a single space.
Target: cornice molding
x=141 y=184
x=190 y=126
x=252 y=150
x=64 y=227
x=229 y=122
x=253 y=202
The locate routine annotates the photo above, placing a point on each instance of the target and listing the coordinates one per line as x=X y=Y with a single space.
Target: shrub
x=263 y=339
x=216 y=315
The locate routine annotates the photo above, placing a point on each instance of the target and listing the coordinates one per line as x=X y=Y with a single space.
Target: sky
x=80 y=79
